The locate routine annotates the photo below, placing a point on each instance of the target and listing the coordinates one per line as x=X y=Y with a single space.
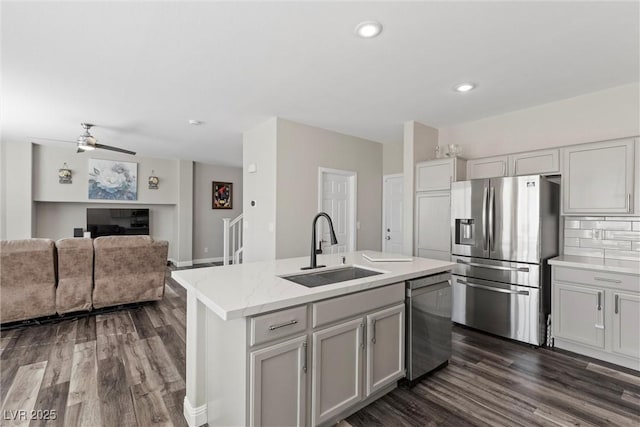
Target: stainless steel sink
x=321 y=278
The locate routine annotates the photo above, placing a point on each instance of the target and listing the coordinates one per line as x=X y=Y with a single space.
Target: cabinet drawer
x=278 y=324
x=332 y=310
x=597 y=278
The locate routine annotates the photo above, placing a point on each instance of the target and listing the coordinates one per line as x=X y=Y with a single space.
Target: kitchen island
x=262 y=349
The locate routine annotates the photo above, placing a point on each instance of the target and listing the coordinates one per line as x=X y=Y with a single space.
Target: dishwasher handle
x=429 y=288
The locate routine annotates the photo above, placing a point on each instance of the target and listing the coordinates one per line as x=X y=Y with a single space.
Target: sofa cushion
x=27 y=279
x=75 y=275
x=128 y=269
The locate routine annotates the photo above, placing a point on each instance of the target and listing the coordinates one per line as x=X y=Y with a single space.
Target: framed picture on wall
x=222 y=195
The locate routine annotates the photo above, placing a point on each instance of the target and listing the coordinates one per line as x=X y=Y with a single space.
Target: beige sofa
x=38 y=278
x=27 y=279
x=75 y=275
x=128 y=269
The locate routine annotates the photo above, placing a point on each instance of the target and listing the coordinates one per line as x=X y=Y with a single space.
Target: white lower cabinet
x=337 y=369
x=349 y=353
x=385 y=348
x=626 y=320
x=597 y=314
x=278 y=384
x=355 y=359
x=579 y=315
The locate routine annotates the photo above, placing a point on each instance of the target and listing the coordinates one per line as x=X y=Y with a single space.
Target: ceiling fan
x=87 y=142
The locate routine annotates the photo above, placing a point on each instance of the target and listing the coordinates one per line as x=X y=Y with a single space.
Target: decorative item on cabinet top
x=64 y=174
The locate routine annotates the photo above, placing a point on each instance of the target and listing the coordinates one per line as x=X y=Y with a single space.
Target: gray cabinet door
x=626 y=318
x=433 y=222
x=278 y=384
x=578 y=314
x=434 y=175
x=542 y=162
x=385 y=347
x=598 y=177
x=488 y=167
x=337 y=369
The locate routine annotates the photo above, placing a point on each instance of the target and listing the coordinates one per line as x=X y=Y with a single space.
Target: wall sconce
x=64 y=175
x=153 y=181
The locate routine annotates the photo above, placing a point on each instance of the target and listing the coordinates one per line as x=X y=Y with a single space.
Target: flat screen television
x=113 y=222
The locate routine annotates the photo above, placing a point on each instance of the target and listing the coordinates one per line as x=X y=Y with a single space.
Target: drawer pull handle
x=492 y=289
x=599 y=301
x=602 y=279
x=373 y=338
x=304 y=367
x=282 y=325
x=616 y=304
x=494 y=267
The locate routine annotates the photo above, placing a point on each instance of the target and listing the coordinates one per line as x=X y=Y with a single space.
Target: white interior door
x=337 y=189
x=392 y=191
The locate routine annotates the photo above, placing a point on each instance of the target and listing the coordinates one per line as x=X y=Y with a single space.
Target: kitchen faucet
x=334 y=240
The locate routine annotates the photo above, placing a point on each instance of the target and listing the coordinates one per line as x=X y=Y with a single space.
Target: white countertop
x=241 y=290
x=598 y=264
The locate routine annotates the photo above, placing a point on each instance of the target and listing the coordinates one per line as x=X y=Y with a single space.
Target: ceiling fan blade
x=120 y=150
x=79 y=150
x=52 y=139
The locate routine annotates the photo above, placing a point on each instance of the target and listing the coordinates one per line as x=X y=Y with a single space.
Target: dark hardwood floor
x=496 y=382
x=124 y=368
x=127 y=368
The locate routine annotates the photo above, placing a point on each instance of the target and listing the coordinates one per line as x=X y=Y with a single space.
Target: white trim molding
x=195 y=416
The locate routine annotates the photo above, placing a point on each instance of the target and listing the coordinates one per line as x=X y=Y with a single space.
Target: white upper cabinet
x=543 y=162
x=487 y=167
x=438 y=174
x=598 y=178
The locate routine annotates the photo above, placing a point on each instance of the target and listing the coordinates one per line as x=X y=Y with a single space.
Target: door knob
x=388 y=237
x=388 y=230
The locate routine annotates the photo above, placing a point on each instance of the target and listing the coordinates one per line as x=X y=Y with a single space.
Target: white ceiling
x=140 y=70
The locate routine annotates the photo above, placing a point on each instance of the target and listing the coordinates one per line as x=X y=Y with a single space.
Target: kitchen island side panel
x=226 y=371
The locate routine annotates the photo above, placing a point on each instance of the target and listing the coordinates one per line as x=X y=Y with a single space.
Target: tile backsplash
x=602 y=237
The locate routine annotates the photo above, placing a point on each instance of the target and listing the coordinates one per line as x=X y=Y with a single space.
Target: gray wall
x=302 y=150
x=420 y=142
x=17 y=220
x=36 y=205
x=392 y=154
x=207 y=221
x=259 y=149
x=608 y=114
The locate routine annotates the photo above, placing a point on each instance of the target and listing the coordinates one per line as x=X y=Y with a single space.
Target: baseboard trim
x=207 y=260
x=195 y=416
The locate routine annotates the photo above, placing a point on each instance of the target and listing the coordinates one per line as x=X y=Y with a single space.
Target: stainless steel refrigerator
x=503 y=232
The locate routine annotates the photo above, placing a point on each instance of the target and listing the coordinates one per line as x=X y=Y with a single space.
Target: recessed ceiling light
x=368 y=29
x=464 y=87
x=195 y=122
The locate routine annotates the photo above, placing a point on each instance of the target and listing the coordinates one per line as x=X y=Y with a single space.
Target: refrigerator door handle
x=485 y=239
x=491 y=218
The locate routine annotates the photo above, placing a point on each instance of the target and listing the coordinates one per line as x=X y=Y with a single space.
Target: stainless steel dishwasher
x=428 y=328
